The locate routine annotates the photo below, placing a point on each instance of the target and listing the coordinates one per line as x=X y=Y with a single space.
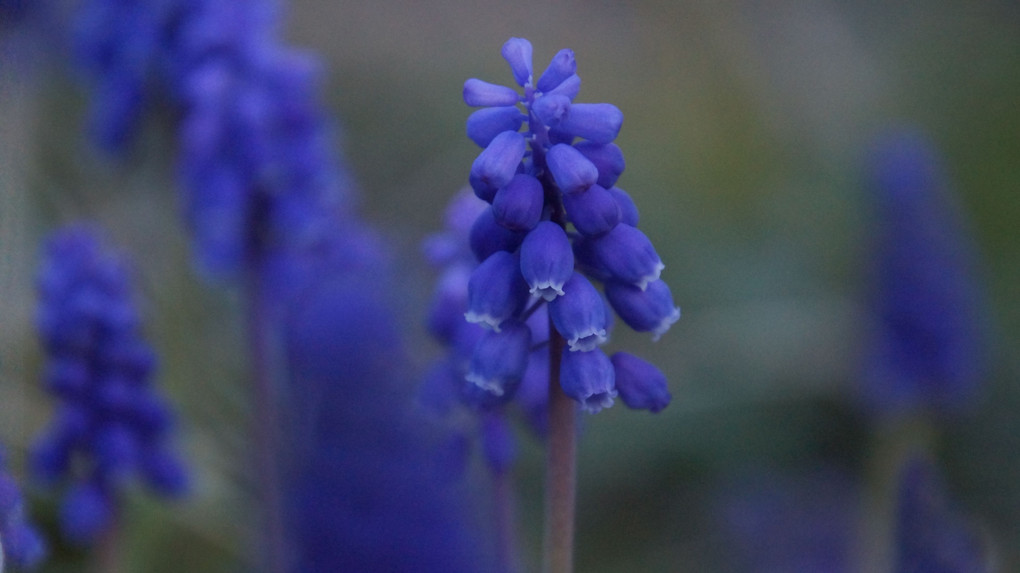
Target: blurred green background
x=745 y=133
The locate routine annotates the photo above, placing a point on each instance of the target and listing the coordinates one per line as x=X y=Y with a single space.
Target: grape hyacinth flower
x=20 y=543
x=112 y=425
x=926 y=344
x=555 y=222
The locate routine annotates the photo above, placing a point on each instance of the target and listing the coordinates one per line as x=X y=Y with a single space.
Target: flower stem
x=267 y=419
x=561 y=468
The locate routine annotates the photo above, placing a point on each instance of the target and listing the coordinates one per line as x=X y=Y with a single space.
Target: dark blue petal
x=588 y=378
x=497 y=164
x=596 y=122
x=650 y=310
x=628 y=209
x=478 y=93
x=628 y=256
x=500 y=359
x=551 y=109
x=485 y=124
x=488 y=236
x=562 y=66
x=593 y=212
x=580 y=314
x=547 y=260
x=608 y=159
x=518 y=205
x=496 y=291
x=641 y=385
x=571 y=170
x=517 y=53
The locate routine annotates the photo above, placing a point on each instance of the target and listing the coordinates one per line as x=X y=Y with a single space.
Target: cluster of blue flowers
x=926 y=350
x=111 y=423
x=20 y=543
x=554 y=221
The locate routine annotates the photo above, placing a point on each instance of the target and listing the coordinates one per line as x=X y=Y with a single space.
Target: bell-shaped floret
x=478 y=93
x=496 y=291
x=485 y=124
x=588 y=378
x=571 y=170
x=562 y=66
x=500 y=359
x=608 y=159
x=488 y=236
x=547 y=260
x=628 y=256
x=517 y=53
x=580 y=314
x=649 y=310
x=518 y=205
x=496 y=165
x=593 y=212
x=596 y=122
x=641 y=385
x=628 y=209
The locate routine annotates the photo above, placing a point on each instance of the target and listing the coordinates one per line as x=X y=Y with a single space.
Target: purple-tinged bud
x=500 y=359
x=547 y=260
x=641 y=385
x=496 y=291
x=551 y=109
x=485 y=124
x=569 y=87
x=518 y=205
x=562 y=66
x=85 y=514
x=584 y=254
x=488 y=236
x=608 y=159
x=498 y=442
x=628 y=256
x=571 y=170
x=593 y=212
x=628 y=209
x=497 y=164
x=580 y=314
x=517 y=53
x=478 y=93
x=596 y=122
x=649 y=310
x=588 y=378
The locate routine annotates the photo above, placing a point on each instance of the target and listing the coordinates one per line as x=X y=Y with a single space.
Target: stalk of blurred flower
x=112 y=426
x=554 y=221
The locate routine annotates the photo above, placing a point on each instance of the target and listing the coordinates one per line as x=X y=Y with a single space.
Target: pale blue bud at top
x=641 y=385
x=518 y=205
x=593 y=212
x=580 y=314
x=551 y=109
x=569 y=87
x=487 y=236
x=588 y=378
x=649 y=310
x=562 y=66
x=596 y=122
x=478 y=93
x=500 y=359
x=607 y=157
x=547 y=260
x=628 y=209
x=497 y=164
x=496 y=291
x=485 y=124
x=571 y=170
x=498 y=442
x=517 y=53
x=628 y=256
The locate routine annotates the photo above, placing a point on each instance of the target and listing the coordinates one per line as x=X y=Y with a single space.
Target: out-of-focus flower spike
x=498 y=442
x=517 y=53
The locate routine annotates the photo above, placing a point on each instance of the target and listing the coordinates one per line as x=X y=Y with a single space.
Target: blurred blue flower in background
x=927 y=342
x=20 y=544
x=111 y=424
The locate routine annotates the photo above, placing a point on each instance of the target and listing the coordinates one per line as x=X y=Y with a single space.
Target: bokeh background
x=747 y=129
